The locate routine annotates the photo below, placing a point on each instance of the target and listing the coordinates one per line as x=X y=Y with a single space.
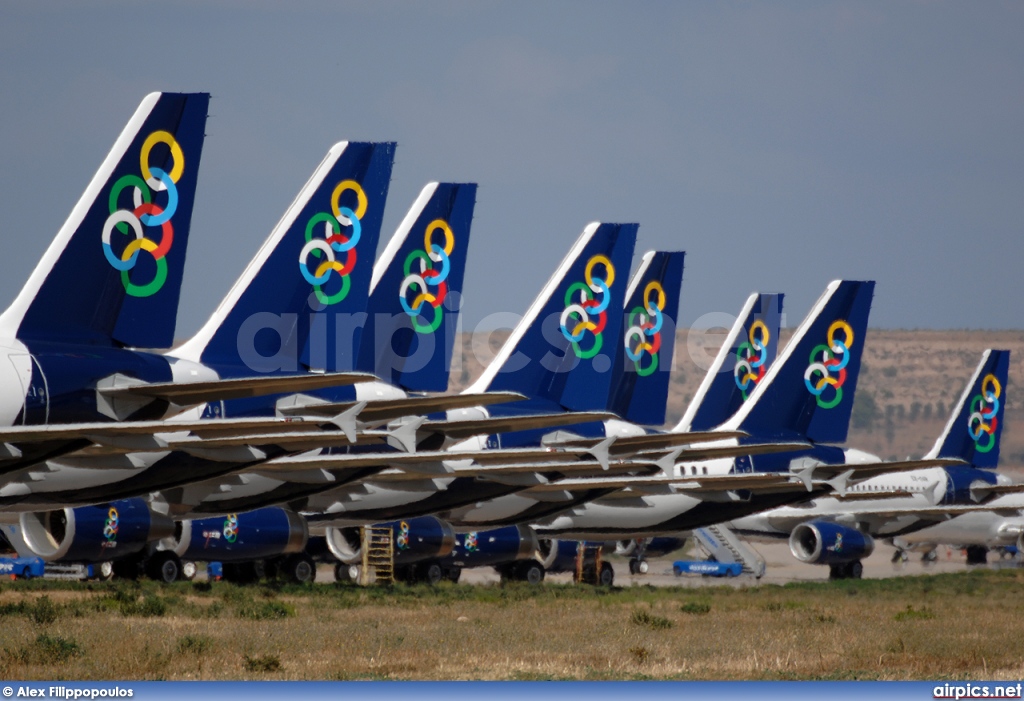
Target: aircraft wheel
x=634 y=566
x=452 y=574
x=300 y=569
x=607 y=577
x=188 y=570
x=532 y=572
x=105 y=571
x=643 y=567
x=346 y=573
x=163 y=566
x=431 y=573
x=855 y=570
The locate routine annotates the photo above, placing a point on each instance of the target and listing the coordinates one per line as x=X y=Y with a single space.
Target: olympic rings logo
x=426 y=283
x=984 y=407
x=644 y=333
x=751 y=357
x=826 y=359
x=231 y=528
x=111 y=525
x=334 y=243
x=145 y=213
x=402 y=541
x=470 y=543
x=576 y=320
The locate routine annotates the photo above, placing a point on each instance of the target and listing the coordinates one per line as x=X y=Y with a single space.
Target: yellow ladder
x=583 y=573
x=378 y=553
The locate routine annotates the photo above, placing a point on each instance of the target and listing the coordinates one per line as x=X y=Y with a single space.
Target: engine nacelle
x=415 y=539
x=651 y=547
x=825 y=543
x=253 y=535
x=560 y=555
x=494 y=547
x=961 y=481
x=94 y=533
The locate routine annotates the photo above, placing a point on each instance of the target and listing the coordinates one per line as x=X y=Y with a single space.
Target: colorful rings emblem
x=231 y=528
x=582 y=307
x=751 y=357
x=402 y=540
x=644 y=332
x=111 y=525
x=983 y=420
x=328 y=251
x=145 y=214
x=426 y=278
x=827 y=359
x=470 y=543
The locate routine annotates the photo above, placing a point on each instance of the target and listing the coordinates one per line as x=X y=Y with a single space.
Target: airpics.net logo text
x=977 y=691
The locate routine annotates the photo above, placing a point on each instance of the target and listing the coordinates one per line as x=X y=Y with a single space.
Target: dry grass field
x=950 y=626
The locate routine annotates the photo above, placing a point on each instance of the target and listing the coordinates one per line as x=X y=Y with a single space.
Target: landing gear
x=930 y=557
x=529 y=571
x=299 y=569
x=900 y=556
x=188 y=570
x=346 y=573
x=163 y=566
x=638 y=566
x=105 y=571
x=607 y=575
x=846 y=570
x=452 y=574
x=977 y=555
x=430 y=572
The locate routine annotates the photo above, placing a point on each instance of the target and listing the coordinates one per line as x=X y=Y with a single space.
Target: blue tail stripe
x=976 y=422
x=731 y=384
x=86 y=299
x=280 y=322
x=639 y=386
x=408 y=344
x=805 y=395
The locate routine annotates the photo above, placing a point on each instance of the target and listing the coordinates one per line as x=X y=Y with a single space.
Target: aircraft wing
x=191 y=393
x=507 y=424
x=379 y=411
x=654 y=442
x=663 y=484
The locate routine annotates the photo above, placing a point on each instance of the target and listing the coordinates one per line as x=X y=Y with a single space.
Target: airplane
x=273 y=289
x=806 y=395
x=840 y=530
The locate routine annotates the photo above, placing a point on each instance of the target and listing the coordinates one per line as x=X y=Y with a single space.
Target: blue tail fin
x=741 y=364
x=112 y=275
x=643 y=359
x=976 y=422
x=808 y=393
x=555 y=353
x=416 y=291
x=300 y=304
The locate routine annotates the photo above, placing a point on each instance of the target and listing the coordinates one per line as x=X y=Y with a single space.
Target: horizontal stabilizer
x=508 y=424
x=378 y=411
x=656 y=441
x=191 y=393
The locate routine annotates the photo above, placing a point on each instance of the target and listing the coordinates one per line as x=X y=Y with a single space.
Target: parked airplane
x=840 y=530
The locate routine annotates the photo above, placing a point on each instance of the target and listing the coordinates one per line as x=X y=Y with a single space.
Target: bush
x=263 y=663
x=194 y=644
x=265 y=610
x=642 y=618
x=695 y=608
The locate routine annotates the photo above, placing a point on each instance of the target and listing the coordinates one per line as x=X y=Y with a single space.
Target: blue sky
x=781 y=145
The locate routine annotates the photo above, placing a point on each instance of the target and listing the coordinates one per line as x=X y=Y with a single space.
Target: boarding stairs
x=378 y=548
x=720 y=543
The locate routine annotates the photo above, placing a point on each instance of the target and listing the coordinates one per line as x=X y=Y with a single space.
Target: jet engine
x=825 y=543
x=495 y=547
x=414 y=539
x=253 y=535
x=94 y=533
